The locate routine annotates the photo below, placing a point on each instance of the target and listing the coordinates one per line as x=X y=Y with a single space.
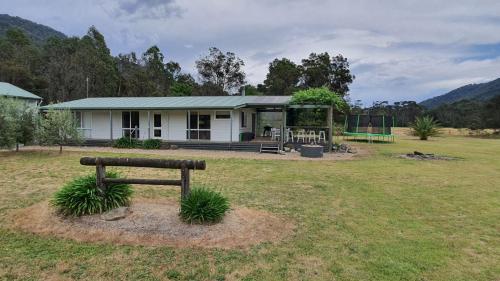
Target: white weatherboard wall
x=174 y=124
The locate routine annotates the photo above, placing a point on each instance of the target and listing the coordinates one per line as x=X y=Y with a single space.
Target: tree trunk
x=17 y=147
x=60 y=149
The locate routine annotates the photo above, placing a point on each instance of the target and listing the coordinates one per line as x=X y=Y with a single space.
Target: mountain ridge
x=38 y=32
x=480 y=92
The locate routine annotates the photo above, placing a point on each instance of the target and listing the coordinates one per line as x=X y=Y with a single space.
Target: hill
x=481 y=92
x=37 y=32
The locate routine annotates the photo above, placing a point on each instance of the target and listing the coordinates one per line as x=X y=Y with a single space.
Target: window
x=78 y=119
x=157 y=125
x=199 y=126
x=130 y=124
x=222 y=115
x=243 y=119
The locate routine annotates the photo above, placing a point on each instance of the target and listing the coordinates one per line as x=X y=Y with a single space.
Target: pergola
x=309 y=106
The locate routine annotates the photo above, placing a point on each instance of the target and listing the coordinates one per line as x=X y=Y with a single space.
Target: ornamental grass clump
x=125 y=142
x=425 y=127
x=151 y=144
x=203 y=205
x=82 y=197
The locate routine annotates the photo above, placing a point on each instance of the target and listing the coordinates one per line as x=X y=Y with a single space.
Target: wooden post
x=283 y=130
x=100 y=175
x=184 y=182
x=330 y=128
x=149 y=124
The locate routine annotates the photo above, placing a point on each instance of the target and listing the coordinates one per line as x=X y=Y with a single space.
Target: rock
x=287 y=149
x=115 y=214
x=173 y=147
x=352 y=150
x=417 y=153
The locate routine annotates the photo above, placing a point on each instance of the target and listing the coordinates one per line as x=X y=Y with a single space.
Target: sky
x=398 y=50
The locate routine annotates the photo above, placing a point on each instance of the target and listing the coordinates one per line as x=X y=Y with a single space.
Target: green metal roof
x=219 y=102
x=10 y=90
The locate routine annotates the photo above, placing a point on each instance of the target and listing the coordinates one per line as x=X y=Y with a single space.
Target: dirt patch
x=425 y=156
x=155 y=223
x=213 y=154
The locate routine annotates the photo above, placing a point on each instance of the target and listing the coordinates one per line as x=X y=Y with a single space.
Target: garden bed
x=156 y=223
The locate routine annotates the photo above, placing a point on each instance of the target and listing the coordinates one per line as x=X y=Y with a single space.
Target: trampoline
x=369 y=127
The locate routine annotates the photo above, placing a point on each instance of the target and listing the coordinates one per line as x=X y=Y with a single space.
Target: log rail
x=184 y=165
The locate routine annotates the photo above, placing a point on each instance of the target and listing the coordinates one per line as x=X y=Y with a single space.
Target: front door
x=157 y=126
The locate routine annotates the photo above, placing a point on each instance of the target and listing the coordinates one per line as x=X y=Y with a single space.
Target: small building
x=11 y=91
x=216 y=120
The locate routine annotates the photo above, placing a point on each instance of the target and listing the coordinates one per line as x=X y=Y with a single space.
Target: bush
x=151 y=144
x=125 y=142
x=425 y=127
x=319 y=96
x=203 y=205
x=82 y=197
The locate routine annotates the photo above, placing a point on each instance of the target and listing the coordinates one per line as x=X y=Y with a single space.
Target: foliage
x=425 y=127
x=151 y=144
x=319 y=96
x=222 y=70
x=17 y=122
x=82 y=197
x=404 y=112
x=58 y=127
x=203 y=205
x=283 y=78
x=322 y=70
x=125 y=142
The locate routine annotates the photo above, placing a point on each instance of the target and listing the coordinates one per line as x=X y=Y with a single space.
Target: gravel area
x=214 y=154
x=156 y=222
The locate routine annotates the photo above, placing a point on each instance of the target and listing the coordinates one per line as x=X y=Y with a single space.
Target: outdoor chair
x=322 y=136
x=301 y=134
x=289 y=135
x=311 y=135
x=275 y=134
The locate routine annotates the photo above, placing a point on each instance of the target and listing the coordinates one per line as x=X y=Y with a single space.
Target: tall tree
x=283 y=78
x=221 y=70
x=320 y=70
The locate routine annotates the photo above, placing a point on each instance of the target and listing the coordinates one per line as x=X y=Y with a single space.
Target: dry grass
x=374 y=218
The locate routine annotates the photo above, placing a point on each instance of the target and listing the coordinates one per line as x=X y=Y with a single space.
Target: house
x=180 y=120
x=11 y=91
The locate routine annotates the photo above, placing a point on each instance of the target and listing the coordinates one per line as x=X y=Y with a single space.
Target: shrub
x=82 y=197
x=203 y=205
x=425 y=127
x=125 y=142
x=151 y=144
x=319 y=96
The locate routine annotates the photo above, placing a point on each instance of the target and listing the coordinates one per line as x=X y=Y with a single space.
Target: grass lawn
x=375 y=218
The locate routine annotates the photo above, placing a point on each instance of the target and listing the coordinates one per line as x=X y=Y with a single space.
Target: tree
x=17 y=123
x=7 y=123
x=322 y=70
x=221 y=70
x=283 y=78
x=58 y=127
x=251 y=90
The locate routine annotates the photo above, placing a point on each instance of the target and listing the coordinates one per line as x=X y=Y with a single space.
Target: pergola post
x=111 y=125
x=330 y=128
x=283 y=127
x=188 y=125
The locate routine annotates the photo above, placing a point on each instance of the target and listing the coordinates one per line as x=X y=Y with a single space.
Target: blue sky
x=399 y=50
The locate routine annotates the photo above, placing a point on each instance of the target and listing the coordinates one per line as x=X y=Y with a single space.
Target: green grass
x=375 y=218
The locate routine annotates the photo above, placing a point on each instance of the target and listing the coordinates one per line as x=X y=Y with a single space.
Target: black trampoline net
x=373 y=124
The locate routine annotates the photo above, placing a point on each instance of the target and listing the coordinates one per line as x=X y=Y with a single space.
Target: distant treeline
x=62 y=69
x=462 y=114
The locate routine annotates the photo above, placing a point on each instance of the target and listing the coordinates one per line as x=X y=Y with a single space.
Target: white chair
x=311 y=135
x=301 y=134
x=322 y=136
x=275 y=134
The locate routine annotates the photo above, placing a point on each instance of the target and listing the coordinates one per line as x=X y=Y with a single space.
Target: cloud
x=398 y=50
x=147 y=9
